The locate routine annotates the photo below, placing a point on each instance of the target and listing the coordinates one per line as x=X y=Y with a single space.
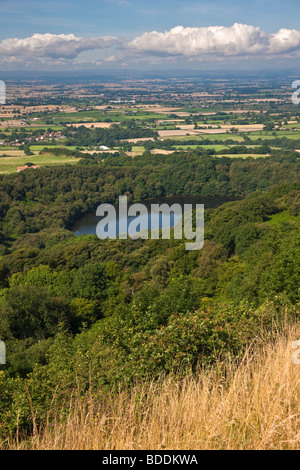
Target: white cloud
x=54 y=45
x=237 y=40
x=188 y=44
x=284 y=41
x=111 y=58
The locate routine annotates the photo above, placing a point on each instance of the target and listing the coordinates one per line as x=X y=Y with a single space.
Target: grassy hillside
x=253 y=405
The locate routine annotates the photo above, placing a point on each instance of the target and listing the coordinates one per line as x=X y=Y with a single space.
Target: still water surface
x=87 y=224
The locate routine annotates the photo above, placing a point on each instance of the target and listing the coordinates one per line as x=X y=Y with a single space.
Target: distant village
x=56 y=135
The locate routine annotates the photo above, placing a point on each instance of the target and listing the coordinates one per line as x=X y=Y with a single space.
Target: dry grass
x=255 y=405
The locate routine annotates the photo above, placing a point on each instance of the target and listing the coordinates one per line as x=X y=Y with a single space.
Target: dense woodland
x=80 y=315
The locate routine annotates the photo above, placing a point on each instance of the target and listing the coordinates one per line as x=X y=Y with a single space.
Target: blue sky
x=21 y=18
x=128 y=19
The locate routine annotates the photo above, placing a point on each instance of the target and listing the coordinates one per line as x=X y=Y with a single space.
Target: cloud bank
x=54 y=45
x=181 y=44
x=237 y=40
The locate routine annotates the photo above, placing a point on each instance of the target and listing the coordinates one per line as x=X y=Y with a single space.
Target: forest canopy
x=102 y=314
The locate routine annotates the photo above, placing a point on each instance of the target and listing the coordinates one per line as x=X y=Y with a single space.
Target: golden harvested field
x=14 y=123
x=162 y=152
x=178 y=132
x=7 y=115
x=186 y=127
x=101 y=125
x=158 y=109
x=133 y=154
x=11 y=109
x=141 y=139
x=224 y=127
x=189 y=130
x=12 y=153
x=244 y=127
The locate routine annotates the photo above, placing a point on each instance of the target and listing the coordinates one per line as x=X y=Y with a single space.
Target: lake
x=87 y=224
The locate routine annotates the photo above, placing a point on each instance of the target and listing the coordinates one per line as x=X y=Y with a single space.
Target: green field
x=163 y=127
x=100 y=116
x=268 y=135
x=211 y=137
x=38 y=148
x=240 y=138
x=206 y=146
x=138 y=149
x=291 y=126
x=10 y=164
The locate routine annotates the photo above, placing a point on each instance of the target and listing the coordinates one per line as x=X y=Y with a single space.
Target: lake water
x=87 y=224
